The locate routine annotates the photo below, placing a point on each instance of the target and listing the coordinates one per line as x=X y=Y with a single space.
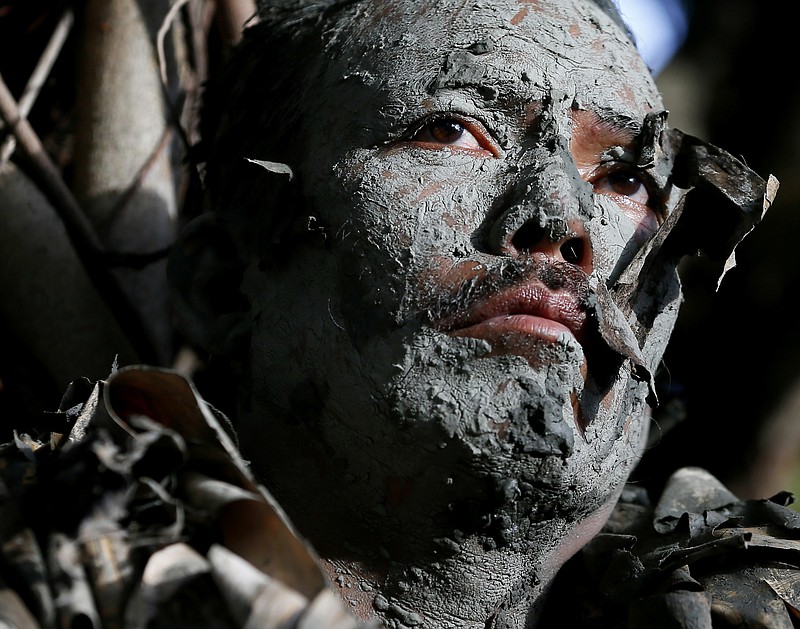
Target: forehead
x=493 y=52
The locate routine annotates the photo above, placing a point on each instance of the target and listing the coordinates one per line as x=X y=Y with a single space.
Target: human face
x=451 y=348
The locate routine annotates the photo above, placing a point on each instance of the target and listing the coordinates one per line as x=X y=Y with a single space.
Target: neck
x=404 y=547
x=469 y=587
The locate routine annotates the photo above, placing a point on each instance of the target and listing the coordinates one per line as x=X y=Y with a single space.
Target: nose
x=518 y=233
x=545 y=212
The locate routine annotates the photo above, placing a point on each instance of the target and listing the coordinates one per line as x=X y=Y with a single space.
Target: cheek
x=642 y=219
x=418 y=194
x=616 y=236
x=616 y=437
x=408 y=224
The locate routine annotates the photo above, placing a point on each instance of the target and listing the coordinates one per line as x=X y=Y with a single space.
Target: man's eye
x=445 y=131
x=631 y=190
x=623 y=183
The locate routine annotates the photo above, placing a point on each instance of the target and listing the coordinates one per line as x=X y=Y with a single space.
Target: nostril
x=532 y=238
x=527 y=237
x=572 y=250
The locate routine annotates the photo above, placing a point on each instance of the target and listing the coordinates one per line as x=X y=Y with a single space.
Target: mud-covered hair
x=611 y=9
x=265 y=6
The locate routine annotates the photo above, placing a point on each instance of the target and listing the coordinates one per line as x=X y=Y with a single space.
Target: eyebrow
x=481 y=88
x=615 y=122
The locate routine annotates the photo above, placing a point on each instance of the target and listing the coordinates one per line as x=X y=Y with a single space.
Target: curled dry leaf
x=700 y=557
x=147 y=516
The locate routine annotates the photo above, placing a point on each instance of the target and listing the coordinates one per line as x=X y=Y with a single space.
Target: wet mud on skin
x=446 y=476
x=493 y=465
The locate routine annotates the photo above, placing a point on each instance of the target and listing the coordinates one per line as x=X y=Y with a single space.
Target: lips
x=522 y=320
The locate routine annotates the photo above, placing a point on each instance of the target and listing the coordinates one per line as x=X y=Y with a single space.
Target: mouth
x=526 y=320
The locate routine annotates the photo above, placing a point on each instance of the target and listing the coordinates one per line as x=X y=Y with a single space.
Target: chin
x=514 y=405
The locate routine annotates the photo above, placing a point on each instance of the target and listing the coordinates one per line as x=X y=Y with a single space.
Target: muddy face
x=430 y=357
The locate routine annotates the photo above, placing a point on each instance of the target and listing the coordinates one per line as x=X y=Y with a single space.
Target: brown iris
x=445 y=131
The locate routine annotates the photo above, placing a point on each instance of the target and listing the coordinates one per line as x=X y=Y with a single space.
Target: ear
x=205 y=272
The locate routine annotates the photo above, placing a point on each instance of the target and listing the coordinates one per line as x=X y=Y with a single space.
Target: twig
x=80 y=230
x=174 y=115
x=162 y=33
x=29 y=142
x=39 y=76
x=201 y=17
x=194 y=66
